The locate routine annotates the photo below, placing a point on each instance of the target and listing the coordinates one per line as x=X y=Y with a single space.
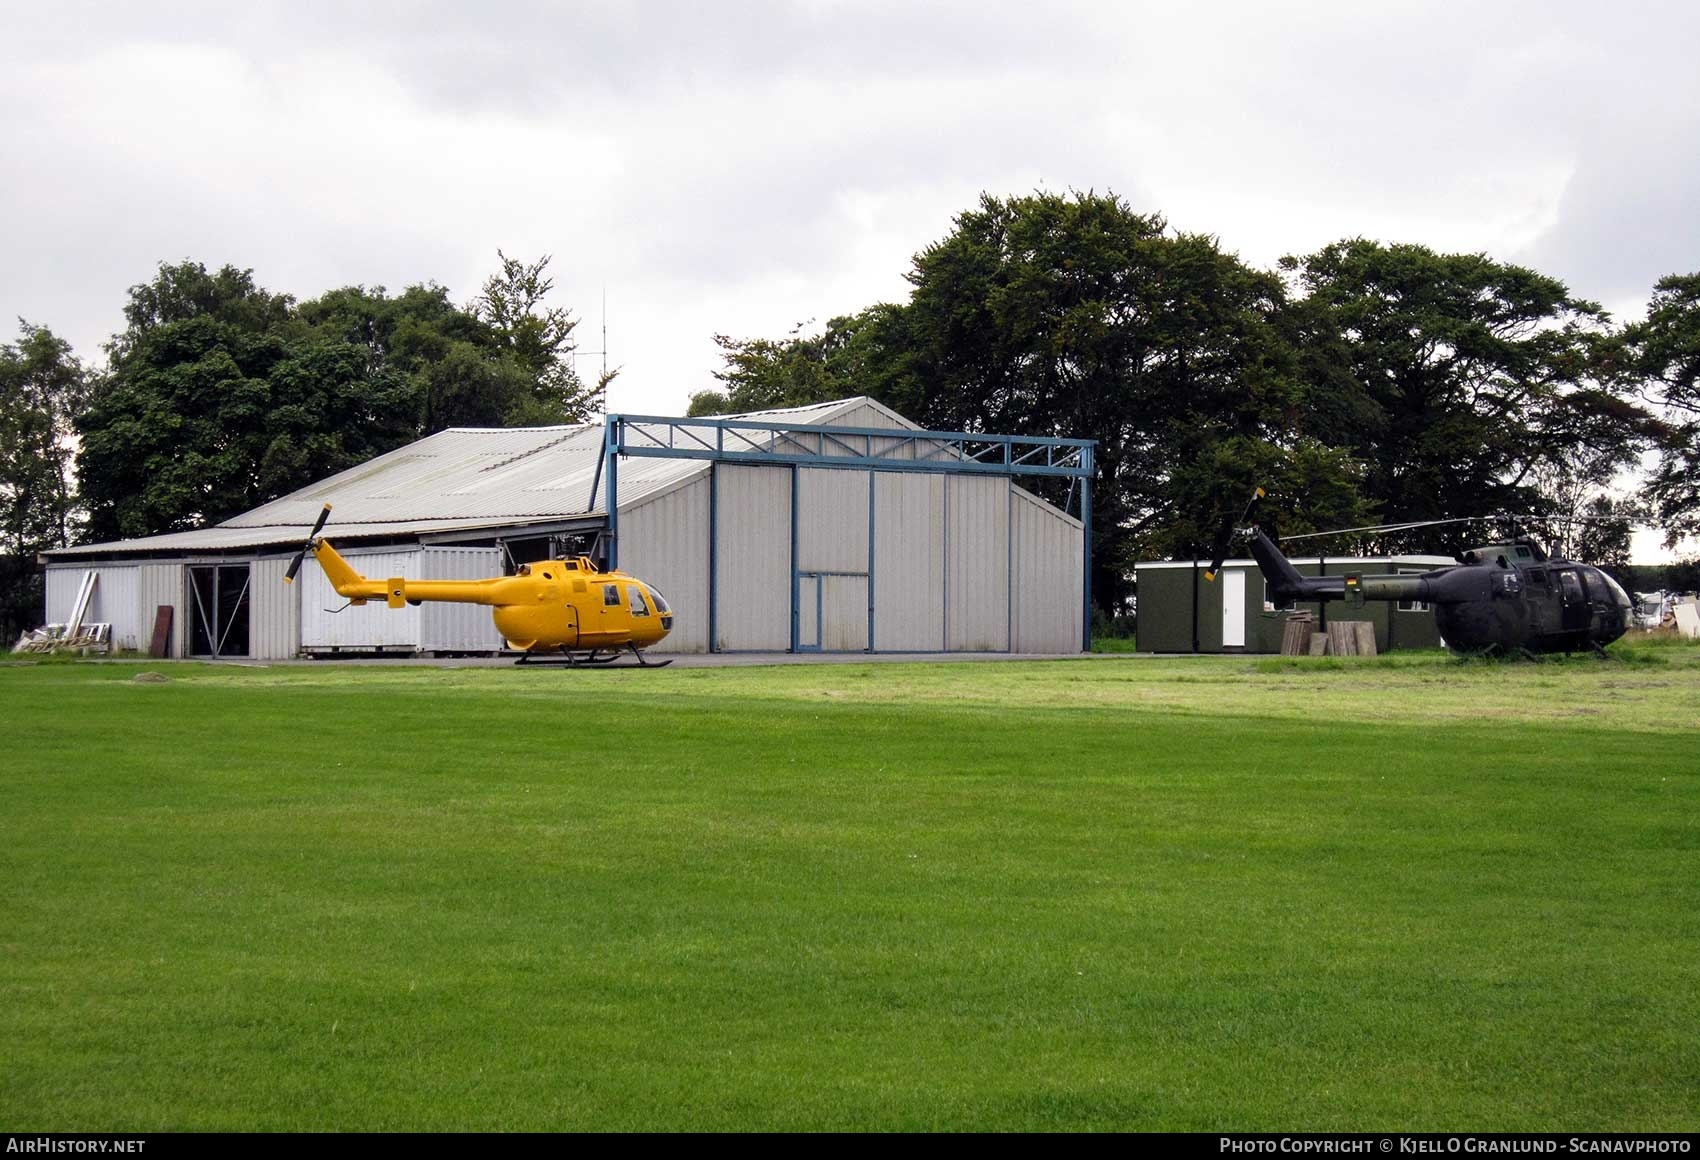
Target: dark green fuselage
x=1501 y=598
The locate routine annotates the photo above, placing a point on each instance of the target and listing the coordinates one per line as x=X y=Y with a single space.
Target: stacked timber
x=1366 y=638
x=1295 y=637
x=1351 y=638
x=1343 y=638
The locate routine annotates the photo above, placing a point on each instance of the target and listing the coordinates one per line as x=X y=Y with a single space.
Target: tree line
x=1365 y=383
x=219 y=395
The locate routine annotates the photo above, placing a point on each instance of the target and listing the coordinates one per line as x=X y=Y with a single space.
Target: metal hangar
x=840 y=527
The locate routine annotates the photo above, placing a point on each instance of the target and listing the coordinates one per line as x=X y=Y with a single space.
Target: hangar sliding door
x=976 y=579
x=833 y=555
x=218 y=606
x=908 y=572
x=752 y=558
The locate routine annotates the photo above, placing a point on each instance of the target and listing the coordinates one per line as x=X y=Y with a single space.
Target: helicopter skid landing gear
x=648 y=664
x=596 y=656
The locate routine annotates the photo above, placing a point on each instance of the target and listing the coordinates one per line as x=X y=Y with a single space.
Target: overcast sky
x=742 y=167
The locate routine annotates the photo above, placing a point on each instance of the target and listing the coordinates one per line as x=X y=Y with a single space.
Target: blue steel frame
x=867 y=448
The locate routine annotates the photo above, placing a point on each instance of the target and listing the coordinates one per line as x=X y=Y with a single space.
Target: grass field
x=1114 y=892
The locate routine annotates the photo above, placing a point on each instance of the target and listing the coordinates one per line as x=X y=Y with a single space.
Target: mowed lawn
x=1108 y=893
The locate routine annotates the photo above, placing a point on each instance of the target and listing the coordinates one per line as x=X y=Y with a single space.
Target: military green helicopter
x=1502 y=599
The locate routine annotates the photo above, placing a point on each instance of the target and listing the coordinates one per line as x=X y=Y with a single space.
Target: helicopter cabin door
x=1576 y=611
x=808 y=611
x=570 y=639
x=1233 y=608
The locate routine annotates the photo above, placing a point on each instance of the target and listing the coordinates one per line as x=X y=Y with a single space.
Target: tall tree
x=1460 y=382
x=216 y=401
x=41 y=387
x=1663 y=361
x=450 y=362
x=854 y=354
x=537 y=338
x=1076 y=315
x=222 y=395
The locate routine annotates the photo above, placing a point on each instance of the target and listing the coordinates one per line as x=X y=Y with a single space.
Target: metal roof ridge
x=509 y=430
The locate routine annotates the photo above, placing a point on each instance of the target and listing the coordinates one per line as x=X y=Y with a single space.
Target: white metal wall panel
x=664 y=542
x=159 y=584
x=114 y=602
x=868 y=415
x=445 y=627
x=977 y=564
x=62 y=585
x=274 y=623
x=844 y=614
x=376 y=625
x=1047 y=578
x=832 y=520
x=753 y=557
x=908 y=575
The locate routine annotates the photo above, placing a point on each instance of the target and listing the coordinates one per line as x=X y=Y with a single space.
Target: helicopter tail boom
x=1284 y=580
x=343 y=576
x=1286 y=584
x=398 y=591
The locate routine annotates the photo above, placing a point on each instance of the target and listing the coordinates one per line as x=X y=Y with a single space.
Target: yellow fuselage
x=551 y=605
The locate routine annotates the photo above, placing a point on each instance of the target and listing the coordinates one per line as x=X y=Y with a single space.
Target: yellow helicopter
x=565 y=608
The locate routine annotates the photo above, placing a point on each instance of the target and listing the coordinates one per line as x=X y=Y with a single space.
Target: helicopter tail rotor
x=1221 y=551
x=312 y=540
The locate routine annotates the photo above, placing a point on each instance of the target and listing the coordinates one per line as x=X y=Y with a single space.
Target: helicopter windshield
x=660 y=600
x=1614 y=591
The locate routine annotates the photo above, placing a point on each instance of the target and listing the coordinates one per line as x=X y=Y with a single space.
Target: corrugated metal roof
x=460 y=478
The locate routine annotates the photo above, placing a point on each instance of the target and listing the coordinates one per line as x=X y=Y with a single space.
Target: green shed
x=1179 y=611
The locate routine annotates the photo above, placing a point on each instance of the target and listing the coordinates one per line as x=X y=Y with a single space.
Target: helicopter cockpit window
x=611 y=595
x=661 y=605
x=639 y=606
x=1602 y=589
x=1618 y=595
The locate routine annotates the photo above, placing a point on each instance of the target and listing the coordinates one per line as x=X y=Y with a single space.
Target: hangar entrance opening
x=218 y=610
x=832 y=612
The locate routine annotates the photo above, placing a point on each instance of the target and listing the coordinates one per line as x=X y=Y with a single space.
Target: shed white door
x=1233 y=608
